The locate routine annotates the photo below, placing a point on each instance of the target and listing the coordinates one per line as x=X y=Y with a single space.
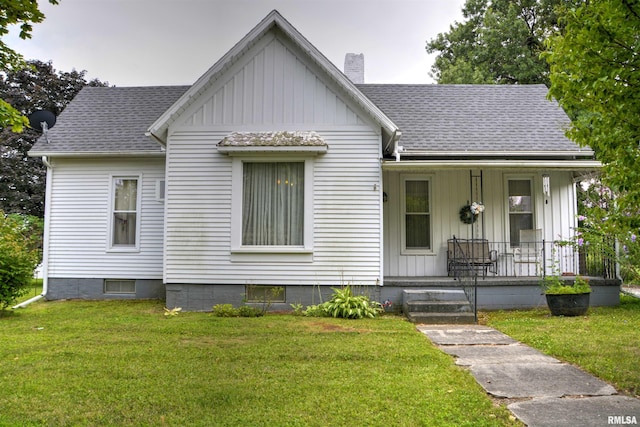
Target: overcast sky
x=173 y=42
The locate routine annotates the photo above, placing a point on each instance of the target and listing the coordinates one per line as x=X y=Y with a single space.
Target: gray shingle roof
x=436 y=119
x=474 y=118
x=109 y=120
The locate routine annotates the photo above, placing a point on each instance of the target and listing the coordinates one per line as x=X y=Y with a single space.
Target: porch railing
x=550 y=257
x=466 y=273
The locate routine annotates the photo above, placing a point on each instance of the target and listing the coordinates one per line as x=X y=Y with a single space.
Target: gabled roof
x=476 y=120
x=159 y=128
x=108 y=120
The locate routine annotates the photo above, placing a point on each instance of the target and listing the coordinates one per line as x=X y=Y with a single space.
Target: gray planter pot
x=568 y=304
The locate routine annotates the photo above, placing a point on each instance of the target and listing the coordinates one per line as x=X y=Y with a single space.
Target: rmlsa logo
x=622 y=420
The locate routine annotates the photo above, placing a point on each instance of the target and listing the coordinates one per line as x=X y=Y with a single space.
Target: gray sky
x=173 y=42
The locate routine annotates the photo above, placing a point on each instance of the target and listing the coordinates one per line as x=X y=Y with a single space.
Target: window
x=417 y=214
x=124 y=212
x=520 y=208
x=160 y=190
x=273 y=204
x=265 y=294
x=119 y=286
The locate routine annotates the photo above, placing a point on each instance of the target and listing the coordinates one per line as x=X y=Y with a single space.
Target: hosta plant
x=345 y=304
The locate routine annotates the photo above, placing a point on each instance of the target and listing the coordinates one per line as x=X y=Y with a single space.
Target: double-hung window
x=520 y=208
x=273 y=203
x=416 y=212
x=125 y=206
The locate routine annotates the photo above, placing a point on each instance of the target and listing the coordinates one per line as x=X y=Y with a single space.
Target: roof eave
x=583 y=153
x=92 y=154
x=569 y=165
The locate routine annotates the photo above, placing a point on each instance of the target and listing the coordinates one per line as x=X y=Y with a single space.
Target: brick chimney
x=354 y=67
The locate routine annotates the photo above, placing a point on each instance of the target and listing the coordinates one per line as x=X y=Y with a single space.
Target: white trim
x=413 y=165
x=403 y=226
x=237 y=248
x=465 y=153
x=94 y=154
x=124 y=248
x=532 y=186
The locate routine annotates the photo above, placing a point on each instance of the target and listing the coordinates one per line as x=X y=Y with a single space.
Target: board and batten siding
x=450 y=191
x=80 y=218
x=273 y=86
x=346 y=216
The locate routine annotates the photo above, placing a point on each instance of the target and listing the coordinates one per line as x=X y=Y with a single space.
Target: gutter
x=45 y=239
x=98 y=154
x=491 y=163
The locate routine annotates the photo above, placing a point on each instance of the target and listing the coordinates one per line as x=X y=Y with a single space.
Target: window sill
x=124 y=249
x=267 y=254
x=425 y=252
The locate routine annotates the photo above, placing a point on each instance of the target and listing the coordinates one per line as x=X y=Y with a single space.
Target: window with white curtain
x=417 y=214
x=520 y=208
x=124 y=212
x=273 y=203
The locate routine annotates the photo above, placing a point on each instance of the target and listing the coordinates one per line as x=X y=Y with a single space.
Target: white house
x=275 y=170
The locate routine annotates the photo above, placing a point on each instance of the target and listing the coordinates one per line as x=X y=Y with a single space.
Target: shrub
x=228 y=310
x=344 y=303
x=248 y=311
x=315 y=311
x=225 y=310
x=18 y=260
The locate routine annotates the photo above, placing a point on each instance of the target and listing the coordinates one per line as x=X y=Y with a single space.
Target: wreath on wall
x=469 y=213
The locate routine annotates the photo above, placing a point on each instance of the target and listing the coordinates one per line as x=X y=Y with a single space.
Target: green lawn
x=124 y=363
x=606 y=342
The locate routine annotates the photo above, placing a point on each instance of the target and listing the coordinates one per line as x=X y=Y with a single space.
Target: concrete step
x=409 y=295
x=441 y=318
x=461 y=306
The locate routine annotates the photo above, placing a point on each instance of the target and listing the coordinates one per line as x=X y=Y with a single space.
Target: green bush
x=228 y=310
x=248 y=311
x=18 y=260
x=225 y=310
x=345 y=304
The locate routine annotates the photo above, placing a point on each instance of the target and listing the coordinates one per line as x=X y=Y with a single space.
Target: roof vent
x=354 y=67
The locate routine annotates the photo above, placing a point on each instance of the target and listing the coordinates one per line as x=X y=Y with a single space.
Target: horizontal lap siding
x=346 y=215
x=79 y=220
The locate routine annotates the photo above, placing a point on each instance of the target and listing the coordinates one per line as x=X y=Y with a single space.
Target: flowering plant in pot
x=565 y=298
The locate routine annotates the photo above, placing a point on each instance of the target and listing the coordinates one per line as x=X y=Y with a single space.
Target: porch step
x=437 y=306
x=442 y=318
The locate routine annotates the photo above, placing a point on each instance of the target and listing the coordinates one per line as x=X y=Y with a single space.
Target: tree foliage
x=22 y=13
x=499 y=41
x=35 y=87
x=18 y=259
x=595 y=75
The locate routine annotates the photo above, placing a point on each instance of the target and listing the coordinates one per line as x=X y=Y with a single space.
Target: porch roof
x=499 y=121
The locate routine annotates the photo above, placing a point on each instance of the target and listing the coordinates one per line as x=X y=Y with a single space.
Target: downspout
x=396 y=148
x=45 y=239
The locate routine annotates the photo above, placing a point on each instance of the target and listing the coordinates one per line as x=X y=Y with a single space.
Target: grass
x=124 y=363
x=605 y=342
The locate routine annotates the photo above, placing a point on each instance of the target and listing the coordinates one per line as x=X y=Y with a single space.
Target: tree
x=37 y=86
x=18 y=260
x=23 y=13
x=595 y=76
x=499 y=41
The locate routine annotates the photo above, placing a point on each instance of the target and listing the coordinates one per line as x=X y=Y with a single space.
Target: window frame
x=404 y=250
x=283 y=252
x=532 y=181
x=111 y=247
x=131 y=282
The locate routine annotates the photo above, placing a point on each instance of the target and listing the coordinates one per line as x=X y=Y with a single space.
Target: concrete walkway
x=548 y=392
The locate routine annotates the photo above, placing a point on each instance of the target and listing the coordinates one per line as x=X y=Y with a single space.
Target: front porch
x=498 y=292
